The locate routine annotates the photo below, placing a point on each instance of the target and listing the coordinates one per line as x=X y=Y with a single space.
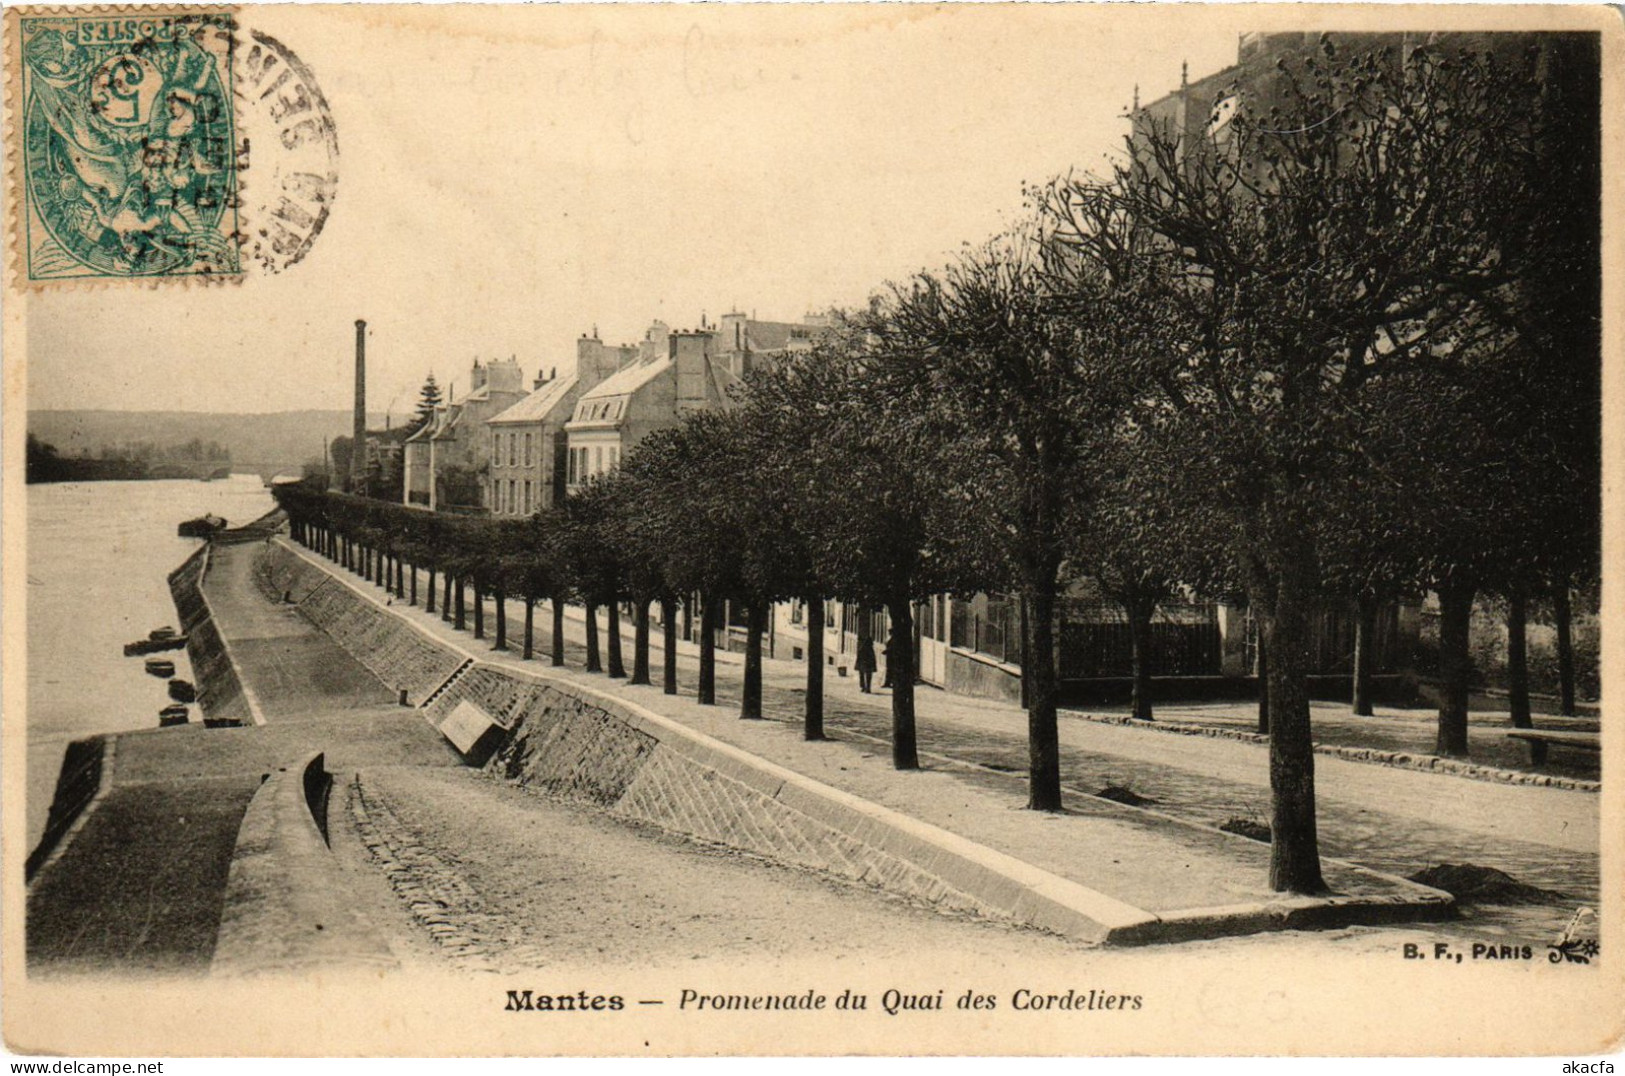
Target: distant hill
x=264 y=443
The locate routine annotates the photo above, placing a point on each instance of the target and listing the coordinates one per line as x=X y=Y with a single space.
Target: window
x=597 y=460
x=527 y=448
x=571 y=479
x=513 y=449
x=496 y=450
x=527 y=488
x=496 y=497
x=513 y=499
x=614 y=456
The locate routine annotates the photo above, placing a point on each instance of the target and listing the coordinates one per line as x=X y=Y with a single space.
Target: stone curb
x=285 y=905
x=250 y=699
x=1408 y=760
x=1011 y=887
x=104 y=785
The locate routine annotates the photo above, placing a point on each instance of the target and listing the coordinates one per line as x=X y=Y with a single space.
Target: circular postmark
x=128 y=146
x=288 y=157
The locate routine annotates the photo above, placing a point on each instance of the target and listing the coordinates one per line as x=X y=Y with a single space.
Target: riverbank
x=945 y=837
x=97 y=560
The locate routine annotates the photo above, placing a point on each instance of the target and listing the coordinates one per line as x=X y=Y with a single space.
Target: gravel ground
x=507 y=879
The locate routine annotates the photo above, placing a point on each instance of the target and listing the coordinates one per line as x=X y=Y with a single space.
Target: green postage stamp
x=126 y=164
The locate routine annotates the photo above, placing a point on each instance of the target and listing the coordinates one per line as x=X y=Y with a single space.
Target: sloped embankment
x=578 y=744
x=219 y=690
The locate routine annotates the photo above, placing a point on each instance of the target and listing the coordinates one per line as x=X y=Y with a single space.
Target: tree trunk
x=707 y=693
x=617 y=667
x=530 y=627
x=1518 y=659
x=594 y=662
x=502 y=620
x=1263 y=675
x=445 y=597
x=429 y=605
x=460 y=616
x=1365 y=652
x=1455 y=667
x=813 y=726
x=1139 y=633
x=905 y=752
x=1563 y=613
x=640 y=642
x=1294 y=841
x=413 y=575
x=668 y=618
x=479 y=612
x=1043 y=733
x=557 y=642
x=400 y=581
x=750 y=698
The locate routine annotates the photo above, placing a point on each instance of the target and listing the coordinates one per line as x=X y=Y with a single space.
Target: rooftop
x=628 y=380
x=539 y=404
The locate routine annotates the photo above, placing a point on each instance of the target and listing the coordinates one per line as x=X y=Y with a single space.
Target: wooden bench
x=1542 y=740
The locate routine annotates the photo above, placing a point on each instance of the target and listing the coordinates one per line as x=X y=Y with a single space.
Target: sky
x=509 y=180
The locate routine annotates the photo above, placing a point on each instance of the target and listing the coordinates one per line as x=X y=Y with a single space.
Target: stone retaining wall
x=574 y=742
x=402 y=658
x=85 y=764
x=219 y=690
x=595 y=750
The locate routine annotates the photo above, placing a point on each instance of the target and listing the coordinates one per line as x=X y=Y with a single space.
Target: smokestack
x=358 y=447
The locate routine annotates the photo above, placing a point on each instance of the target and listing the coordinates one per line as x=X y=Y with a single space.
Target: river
x=99 y=554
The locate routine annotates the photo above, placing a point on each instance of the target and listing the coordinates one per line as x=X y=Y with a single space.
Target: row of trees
x=1349 y=351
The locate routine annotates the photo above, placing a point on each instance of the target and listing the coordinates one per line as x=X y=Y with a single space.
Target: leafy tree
x=339 y=451
x=791 y=413
x=686 y=482
x=1021 y=384
x=594 y=563
x=1316 y=248
x=894 y=516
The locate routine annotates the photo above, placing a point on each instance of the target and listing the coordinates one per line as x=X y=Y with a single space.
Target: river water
x=98 y=557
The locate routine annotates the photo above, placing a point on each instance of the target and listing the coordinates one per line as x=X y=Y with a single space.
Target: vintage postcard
x=687 y=530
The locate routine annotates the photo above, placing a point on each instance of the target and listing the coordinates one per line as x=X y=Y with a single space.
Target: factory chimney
x=358 y=447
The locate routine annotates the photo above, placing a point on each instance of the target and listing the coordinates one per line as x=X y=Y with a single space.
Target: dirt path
x=506 y=879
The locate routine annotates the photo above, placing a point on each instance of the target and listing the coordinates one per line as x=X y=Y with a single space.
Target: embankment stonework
x=402 y=658
x=572 y=741
x=219 y=690
x=569 y=742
